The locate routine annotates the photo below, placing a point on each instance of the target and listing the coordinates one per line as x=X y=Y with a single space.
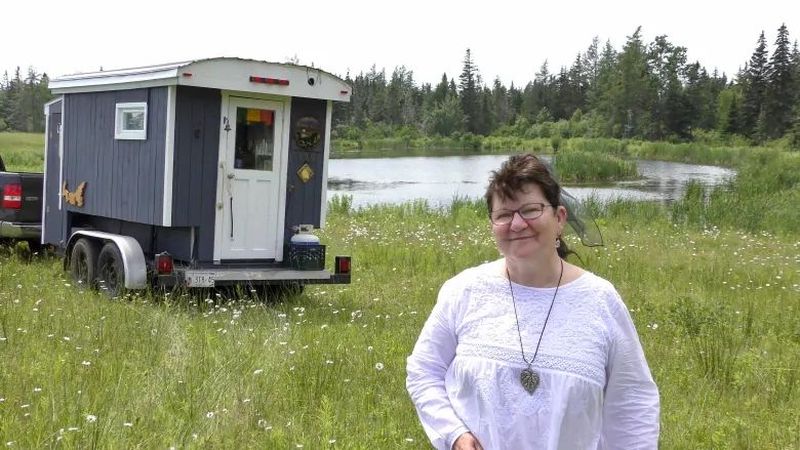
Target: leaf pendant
x=529 y=380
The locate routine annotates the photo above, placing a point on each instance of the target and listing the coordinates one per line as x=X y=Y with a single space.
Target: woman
x=530 y=351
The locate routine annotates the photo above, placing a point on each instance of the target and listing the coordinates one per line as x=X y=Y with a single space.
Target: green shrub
x=580 y=166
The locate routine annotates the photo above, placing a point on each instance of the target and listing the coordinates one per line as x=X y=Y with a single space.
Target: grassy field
x=22 y=152
x=712 y=282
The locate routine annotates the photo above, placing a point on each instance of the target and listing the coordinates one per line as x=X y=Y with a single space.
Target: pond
x=440 y=179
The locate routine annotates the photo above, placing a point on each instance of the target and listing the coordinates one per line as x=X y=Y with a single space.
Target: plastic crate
x=306 y=256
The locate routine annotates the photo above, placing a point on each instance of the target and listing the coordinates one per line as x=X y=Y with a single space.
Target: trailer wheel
x=83 y=262
x=110 y=270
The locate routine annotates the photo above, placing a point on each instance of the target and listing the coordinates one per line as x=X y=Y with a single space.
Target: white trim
x=120 y=132
x=231 y=74
x=221 y=172
x=149 y=72
x=169 y=157
x=46 y=149
x=282 y=177
x=61 y=157
x=323 y=209
x=114 y=87
x=104 y=81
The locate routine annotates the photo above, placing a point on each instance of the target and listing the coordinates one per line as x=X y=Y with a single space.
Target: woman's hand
x=467 y=441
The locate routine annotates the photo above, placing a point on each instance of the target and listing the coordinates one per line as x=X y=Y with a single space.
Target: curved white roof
x=231 y=74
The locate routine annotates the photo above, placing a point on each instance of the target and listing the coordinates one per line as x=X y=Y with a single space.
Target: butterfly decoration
x=76 y=197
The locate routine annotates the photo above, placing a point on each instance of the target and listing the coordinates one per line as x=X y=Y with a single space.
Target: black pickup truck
x=21 y=206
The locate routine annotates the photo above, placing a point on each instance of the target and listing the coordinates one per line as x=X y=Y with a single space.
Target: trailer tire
x=83 y=262
x=111 y=270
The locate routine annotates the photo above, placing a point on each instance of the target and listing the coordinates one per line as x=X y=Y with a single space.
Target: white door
x=248 y=212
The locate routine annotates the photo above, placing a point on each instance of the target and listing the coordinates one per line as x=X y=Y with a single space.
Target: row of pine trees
x=647 y=91
x=22 y=101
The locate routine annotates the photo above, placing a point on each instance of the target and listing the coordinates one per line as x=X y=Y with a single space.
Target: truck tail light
x=164 y=264
x=342 y=265
x=12 y=196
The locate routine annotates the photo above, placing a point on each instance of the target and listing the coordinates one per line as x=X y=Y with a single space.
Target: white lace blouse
x=596 y=391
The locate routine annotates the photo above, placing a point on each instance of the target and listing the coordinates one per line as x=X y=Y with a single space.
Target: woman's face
x=525 y=238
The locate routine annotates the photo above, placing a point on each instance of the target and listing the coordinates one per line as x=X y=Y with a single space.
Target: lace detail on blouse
x=513 y=358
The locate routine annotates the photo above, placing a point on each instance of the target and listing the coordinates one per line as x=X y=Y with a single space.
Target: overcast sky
x=509 y=39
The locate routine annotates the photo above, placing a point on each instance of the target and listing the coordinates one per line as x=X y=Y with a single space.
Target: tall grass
x=700 y=152
x=716 y=310
x=22 y=152
x=577 y=166
x=764 y=195
x=716 y=304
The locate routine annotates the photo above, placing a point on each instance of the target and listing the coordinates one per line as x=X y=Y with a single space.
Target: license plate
x=200 y=279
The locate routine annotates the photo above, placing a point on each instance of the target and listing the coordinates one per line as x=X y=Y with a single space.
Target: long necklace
x=529 y=377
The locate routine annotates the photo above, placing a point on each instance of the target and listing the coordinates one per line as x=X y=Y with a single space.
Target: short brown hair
x=516 y=172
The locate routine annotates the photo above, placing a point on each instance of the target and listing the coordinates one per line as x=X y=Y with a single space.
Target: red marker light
x=164 y=264
x=342 y=265
x=265 y=80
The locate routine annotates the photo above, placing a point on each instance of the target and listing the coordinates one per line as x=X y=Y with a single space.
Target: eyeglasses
x=528 y=211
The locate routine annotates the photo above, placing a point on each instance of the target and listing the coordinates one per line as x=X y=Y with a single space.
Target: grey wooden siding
x=303 y=199
x=124 y=178
x=53 y=218
x=153 y=239
x=196 y=153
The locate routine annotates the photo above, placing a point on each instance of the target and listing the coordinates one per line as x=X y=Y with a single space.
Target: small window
x=131 y=121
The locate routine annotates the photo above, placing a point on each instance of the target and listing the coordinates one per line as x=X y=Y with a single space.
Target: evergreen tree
x=488 y=119
x=600 y=97
x=754 y=83
x=673 y=114
x=445 y=118
x=4 y=101
x=728 y=107
x=796 y=65
x=515 y=101
x=441 y=90
x=539 y=93
x=500 y=101
x=469 y=93
x=630 y=92
x=780 y=95
x=590 y=62
x=376 y=100
x=342 y=111
x=15 y=119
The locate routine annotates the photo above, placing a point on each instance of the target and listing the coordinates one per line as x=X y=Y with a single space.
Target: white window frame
x=121 y=133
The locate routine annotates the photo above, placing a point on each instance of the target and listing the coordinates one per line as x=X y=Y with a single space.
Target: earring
x=558 y=242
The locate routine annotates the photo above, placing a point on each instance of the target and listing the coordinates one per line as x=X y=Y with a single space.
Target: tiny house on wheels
x=201 y=173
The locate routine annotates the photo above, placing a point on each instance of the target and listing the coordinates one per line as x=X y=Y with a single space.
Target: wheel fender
x=132 y=255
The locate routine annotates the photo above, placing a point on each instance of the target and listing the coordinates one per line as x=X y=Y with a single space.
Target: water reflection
x=440 y=179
